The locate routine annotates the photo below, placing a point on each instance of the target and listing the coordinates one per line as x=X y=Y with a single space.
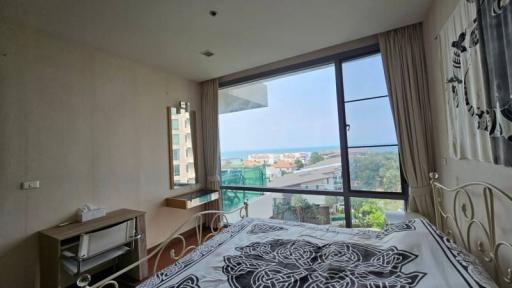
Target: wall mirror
x=182 y=142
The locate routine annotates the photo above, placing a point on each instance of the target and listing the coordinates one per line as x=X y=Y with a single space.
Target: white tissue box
x=91 y=214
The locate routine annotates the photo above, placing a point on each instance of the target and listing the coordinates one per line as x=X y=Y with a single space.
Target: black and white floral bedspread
x=270 y=253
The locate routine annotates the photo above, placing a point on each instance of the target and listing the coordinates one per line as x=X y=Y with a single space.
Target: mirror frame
x=193 y=130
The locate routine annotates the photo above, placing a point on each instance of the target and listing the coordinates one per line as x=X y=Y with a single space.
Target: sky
x=302 y=111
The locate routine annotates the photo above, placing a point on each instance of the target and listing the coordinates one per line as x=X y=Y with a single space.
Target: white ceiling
x=246 y=33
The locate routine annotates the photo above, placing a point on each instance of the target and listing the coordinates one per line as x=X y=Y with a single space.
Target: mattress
x=273 y=253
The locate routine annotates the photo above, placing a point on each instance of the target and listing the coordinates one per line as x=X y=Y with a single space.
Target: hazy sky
x=302 y=111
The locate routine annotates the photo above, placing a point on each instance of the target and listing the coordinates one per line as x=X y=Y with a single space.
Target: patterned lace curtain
x=476 y=68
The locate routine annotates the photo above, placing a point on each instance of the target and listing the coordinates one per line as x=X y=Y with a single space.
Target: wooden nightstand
x=53 y=241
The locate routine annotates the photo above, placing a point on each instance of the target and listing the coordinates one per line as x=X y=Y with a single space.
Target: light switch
x=30 y=185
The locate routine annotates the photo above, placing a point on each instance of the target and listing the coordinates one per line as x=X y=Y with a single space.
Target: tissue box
x=91 y=214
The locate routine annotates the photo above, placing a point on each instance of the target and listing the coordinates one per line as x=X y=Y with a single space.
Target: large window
x=282 y=132
x=371 y=137
x=317 y=144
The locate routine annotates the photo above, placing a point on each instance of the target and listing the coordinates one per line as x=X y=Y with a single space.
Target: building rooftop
x=327 y=162
x=283 y=164
x=321 y=170
x=251 y=163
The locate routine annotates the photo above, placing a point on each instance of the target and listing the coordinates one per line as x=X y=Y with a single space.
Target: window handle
x=348 y=127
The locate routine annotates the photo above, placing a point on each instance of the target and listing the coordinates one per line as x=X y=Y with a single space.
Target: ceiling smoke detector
x=207 y=53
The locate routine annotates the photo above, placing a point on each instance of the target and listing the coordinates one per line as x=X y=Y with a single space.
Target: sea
x=244 y=154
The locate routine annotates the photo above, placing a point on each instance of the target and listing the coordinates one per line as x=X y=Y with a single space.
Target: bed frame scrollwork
x=472 y=224
x=198 y=219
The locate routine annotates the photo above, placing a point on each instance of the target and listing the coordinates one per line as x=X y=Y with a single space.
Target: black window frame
x=347 y=193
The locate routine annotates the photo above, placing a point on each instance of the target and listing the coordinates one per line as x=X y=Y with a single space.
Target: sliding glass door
x=314 y=144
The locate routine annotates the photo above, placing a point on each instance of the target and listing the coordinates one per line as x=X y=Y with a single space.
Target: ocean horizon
x=244 y=154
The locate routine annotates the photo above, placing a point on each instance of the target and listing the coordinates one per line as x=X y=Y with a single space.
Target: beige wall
x=452 y=171
x=92 y=128
x=362 y=42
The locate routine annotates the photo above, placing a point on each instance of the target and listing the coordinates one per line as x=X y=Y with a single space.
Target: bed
x=414 y=253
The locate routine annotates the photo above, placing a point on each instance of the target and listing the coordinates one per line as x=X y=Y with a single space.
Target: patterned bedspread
x=271 y=253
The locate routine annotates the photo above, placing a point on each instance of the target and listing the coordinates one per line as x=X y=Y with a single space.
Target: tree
x=298 y=164
x=367 y=213
x=331 y=201
x=391 y=176
x=375 y=171
x=315 y=158
x=298 y=200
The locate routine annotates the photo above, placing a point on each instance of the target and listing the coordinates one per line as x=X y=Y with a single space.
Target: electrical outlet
x=30 y=185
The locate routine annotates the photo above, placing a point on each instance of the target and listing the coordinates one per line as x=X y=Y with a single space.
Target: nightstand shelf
x=193 y=199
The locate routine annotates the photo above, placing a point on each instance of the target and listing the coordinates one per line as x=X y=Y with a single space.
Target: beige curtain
x=406 y=76
x=210 y=120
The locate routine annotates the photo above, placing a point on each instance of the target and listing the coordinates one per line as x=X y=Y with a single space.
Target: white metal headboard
x=459 y=220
